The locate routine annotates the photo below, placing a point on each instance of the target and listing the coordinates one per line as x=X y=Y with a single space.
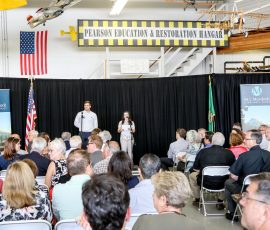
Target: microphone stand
x=82 y=120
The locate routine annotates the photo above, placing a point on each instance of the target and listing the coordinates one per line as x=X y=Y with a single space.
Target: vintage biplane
x=234 y=20
x=192 y=3
x=55 y=9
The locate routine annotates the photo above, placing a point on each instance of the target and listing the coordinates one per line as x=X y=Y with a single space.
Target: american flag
x=33 y=52
x=31 y=115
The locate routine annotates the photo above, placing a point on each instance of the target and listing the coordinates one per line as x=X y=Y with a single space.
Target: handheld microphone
x=82 y=115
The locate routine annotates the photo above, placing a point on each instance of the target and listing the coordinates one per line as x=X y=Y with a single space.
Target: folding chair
x=26 y=225
x=246 y=182
x=211 y=171
x=3 y=173
x=69 y=224
x=40 y=179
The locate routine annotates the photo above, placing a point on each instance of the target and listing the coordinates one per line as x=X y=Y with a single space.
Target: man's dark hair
x=263 y=190
x=209 y=135
x=105 y=201
x=182 y=132
x=149 y=165
x=256 y=135
x=77 y=162
x=121 y=165
x=87 y=102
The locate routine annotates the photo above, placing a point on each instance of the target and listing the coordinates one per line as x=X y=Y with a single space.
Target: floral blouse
x=41 y=210
x=60 y=171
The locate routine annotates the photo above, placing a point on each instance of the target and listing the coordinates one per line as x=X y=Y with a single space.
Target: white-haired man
x=214 y=155
x=109 y=149
x=75 y=143
x=38 y=146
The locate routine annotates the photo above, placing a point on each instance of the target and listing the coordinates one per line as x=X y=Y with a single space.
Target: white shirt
x=89 y=121
x=141 y=197
x=126 y=129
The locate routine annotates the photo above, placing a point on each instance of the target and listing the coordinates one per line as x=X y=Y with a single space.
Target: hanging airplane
x=55 y=9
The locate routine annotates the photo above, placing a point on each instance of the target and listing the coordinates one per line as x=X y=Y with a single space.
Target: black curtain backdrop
x=158 y=106
x=226 y=89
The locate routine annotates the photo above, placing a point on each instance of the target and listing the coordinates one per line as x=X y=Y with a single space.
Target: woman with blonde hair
x=11 y=147
x=171 y=193
x=57 y=171
x=20 y=200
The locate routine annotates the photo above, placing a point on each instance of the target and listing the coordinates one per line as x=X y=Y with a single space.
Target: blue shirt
x=4 y=163
x=141 y=198
x=67 y=198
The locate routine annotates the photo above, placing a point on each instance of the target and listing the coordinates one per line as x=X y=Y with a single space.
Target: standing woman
x=126 y=127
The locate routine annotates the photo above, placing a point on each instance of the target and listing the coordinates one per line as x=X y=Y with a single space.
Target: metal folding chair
x=238 y=210
x=211 y=171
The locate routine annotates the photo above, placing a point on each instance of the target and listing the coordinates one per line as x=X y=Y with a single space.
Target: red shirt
x=237 y=150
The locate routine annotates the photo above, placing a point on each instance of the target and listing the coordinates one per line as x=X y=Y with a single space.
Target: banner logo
x=256 y=91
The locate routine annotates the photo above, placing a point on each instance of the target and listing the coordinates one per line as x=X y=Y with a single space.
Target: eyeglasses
x=90 y=143
x=245 y=196
x=249 y=139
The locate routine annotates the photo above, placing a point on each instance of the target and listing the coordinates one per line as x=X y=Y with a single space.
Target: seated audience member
x=47 y=138
x=267 y=135
x=31 y=135
x=66 y=137
x=34 y=169
x=120 y=165
x=105 y=136
x=108 y=151
x=96 y=131
x=201 y=133
x=236 y=142
x=171 y=193
x=20 y=200
x=66 y=199
x=207 y=142
x=141 y=200
x=186 y=161
x=75 y=143
x=36 y=155
x=255 y=203
x=57 y=171
x=180 y=145
x=215 y=155
x=20 y=151
x=254 y=161
x=264 y=143
x=94 y=149
x=105 y=210
x=237 y=126
x=11 y=146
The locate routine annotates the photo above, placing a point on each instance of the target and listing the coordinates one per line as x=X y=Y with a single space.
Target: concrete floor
x=210 y=222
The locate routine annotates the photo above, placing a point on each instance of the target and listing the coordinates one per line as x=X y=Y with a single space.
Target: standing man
x=86 y=121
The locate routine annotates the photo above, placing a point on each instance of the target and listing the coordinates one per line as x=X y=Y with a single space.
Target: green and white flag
x=211 y=109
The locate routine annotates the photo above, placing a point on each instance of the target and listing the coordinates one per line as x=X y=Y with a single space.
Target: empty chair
x=67 y=225
x=211 y=171
x=26 y=225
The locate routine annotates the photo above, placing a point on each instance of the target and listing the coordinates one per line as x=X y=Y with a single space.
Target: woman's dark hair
x=129 y=118
x=10 y=147
x=120 y=165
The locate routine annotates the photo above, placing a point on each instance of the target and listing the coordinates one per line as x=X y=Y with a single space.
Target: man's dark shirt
x=41 y=162
x=256 y=160
x=213 y=156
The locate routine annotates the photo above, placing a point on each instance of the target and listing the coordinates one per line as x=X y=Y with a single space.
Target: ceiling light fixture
x=118 y=7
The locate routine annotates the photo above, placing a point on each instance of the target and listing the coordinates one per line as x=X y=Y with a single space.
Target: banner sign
x=102 y=33
x=255 y=105
x=5 y=124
